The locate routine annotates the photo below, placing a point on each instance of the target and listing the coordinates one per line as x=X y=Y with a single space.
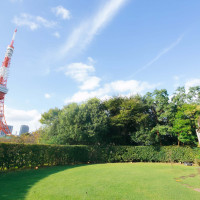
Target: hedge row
x=25 y=155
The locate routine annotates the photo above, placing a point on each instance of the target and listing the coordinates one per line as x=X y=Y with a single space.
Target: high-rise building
x=2 y=134
x=24 y=129
x=10 y=128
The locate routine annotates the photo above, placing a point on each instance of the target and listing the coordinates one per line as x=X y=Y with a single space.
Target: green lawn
x=103 y=181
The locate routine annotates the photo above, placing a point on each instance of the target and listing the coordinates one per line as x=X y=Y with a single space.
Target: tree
x=49 y=120
x=181 y=100
x=77 y=124
x=189 y=96
x=148 y=120
x=68 y=131
x=193 y=95
x=126 y=117
x=113 y=107
x=185 y=123
x=161 y=112
x=179 y=97
x=144 y=136
x=93 y=121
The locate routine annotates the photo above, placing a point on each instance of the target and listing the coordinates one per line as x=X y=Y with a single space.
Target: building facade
x=24 y=129
x=10 y=128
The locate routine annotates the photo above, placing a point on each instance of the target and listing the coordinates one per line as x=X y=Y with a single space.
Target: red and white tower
x=3 y=85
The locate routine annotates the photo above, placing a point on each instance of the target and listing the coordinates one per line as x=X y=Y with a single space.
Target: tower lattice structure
x=3 y=85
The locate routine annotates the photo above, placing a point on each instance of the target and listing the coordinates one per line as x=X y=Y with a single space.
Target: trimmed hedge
x=144 y=154
x=26 y=155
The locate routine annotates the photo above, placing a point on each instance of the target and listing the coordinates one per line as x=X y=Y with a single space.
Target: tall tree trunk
x=158 y=134
x=178 y=140
x=198 y=131
x=198 y=134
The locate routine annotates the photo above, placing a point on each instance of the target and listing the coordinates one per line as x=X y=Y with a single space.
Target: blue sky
x=69 y=51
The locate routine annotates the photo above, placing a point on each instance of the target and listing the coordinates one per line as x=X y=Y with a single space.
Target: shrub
x=27 y=155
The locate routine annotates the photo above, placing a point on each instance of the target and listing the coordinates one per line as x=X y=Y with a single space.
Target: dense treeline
x=138 y=120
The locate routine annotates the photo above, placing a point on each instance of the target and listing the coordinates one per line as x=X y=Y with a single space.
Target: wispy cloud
x=82 y=35
x=91 y=60
x=62 y=12
x=56 y=34
x=32 y=22
x=163 y=52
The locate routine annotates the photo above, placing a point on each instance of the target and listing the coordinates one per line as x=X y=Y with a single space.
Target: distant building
x=10 y=128
x=2 y=134
x=24 y=129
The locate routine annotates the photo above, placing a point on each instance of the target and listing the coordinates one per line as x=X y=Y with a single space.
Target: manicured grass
x=103 y=181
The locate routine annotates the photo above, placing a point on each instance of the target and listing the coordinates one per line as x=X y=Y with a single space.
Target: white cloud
x=120 y=87
x=32 y=22
x=62 y=12
x=79 y=97
x=16 y=118
x=192 y=83
x=81 y=73
x=163 y=52
x=82 y=35
x=56 y=34
x=129 y=86
x=91 y=83
x=47 y=96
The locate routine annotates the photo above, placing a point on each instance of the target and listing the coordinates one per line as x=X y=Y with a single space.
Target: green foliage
x=153 y=154
x=193 y=95
x=144 y=137
x=127 y=116
x=161 y=113
x=26 y=155
x=152 y=119
x=93 y=122
x=78 y=124
x=48 y=118
x=185 y=123
x=179 y=97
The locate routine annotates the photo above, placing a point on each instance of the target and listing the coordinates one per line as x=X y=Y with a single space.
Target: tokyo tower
x=3 y=85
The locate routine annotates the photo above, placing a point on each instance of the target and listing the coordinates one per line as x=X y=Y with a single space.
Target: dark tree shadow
x=15 y=185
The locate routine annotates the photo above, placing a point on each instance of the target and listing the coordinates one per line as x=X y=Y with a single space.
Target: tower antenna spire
x=3 y=84
x=13 y=38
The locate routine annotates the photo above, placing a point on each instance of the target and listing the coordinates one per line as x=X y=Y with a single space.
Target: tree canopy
x=137 y=120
